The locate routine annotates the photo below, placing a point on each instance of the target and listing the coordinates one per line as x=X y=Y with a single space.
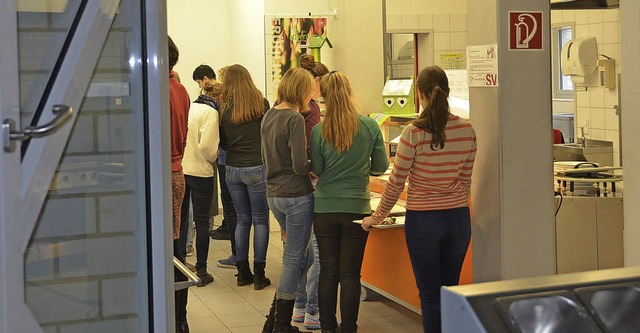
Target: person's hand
x=367 y=223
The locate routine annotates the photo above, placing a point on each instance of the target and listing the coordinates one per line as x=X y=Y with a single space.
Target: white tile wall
x=394 y=21
x=458 y=22
x=597 y=118
x=458 y=40
x=595 y=30
x=410 y=21
x=426 y=21
x=611 y=120
x=595 y=16
x=442 y=41
x=610 y=32
x=582 y=17
x=568 y=16
x=597 y=97
x=441 y=22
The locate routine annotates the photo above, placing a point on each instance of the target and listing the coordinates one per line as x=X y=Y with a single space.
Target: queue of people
x=313 y=176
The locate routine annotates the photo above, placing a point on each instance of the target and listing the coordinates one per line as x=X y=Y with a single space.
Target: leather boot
x=260 y=280
x=244 y=276
x=284 y=311
x=271 y=318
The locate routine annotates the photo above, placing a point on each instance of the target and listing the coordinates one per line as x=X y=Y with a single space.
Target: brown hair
x=341 y=117
x=295 y=85
x=240 y=96
x=174 y=54
x=316 y=69
x=433 y=83
x=212 y=89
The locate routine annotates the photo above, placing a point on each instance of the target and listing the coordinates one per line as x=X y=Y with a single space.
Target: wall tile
x=64 y=301
x=595 y=30
x=613 y=136
x=110 y=326
x=583 y=99
x=394 y=21
x=442 y=41
x=115 y=132
x=595 y=16
x=611 y=120
x=583 y=118
x=610 y=32
x=596 y=134
x=81 y=139
x=410 y=21
x=118 y=213
x=612 y=51
x=582 y=17
x=581 y=31
x=67 y=217
x=458 y=22
x=119 y=296
x=610 y=98
x=597 y=118
x=110 y=255
x=441 y=23
x=426 y=21
x=610 y=15
x=32 y=20
x=38 y=263
x=458 y=40
x=568 y=16
x=556 y=16
x=597 y=97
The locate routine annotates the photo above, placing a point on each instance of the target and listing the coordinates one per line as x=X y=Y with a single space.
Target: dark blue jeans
x=247 y=186
x=437 y=241
x=229 y=216
x=198 y=191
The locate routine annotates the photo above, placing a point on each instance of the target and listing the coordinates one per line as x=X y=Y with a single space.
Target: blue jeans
x=295 y=216
x=247 y=186
x=437 y=241
x=308 y=286
x=229 y=216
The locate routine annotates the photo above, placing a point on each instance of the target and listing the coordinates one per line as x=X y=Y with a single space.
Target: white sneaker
x=298 y=314
x=312 y=322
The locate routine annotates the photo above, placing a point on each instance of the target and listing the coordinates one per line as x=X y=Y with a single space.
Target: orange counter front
x=387 y=269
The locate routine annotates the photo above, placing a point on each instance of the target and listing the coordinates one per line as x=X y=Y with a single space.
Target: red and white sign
x=525 y=31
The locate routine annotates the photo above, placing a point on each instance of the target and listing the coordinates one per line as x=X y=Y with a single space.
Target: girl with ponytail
x=436 y=152
x=345 y=149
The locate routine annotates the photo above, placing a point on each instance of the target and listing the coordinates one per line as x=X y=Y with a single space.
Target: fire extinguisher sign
x=525 y=31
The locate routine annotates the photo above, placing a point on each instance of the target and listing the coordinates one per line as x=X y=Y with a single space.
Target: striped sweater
x=439 y=179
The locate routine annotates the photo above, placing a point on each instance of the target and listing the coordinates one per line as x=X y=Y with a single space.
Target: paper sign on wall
x=452 y=60
x=482 y=65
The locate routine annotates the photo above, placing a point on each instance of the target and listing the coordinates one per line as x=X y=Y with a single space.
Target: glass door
x=81 y=219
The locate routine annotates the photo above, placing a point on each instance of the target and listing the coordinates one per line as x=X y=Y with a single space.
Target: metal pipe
x=192 y=278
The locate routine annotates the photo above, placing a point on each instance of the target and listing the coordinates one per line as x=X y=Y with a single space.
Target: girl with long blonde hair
x=242 y=108
x=345 y=149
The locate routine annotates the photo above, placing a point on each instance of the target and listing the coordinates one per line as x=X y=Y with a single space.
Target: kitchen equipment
x=586 y=179
x=596 y=151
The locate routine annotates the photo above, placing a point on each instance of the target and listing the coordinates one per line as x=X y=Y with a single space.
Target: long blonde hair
x=341 y=117
x=240 y=94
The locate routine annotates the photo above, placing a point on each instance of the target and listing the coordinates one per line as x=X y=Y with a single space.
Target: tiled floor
x=224 y=307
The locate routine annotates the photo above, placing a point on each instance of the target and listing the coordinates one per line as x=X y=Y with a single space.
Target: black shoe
x=284 y=311
x=244 y=276
x=205 y=277
x=221 y=233
x=182 y=327
x=260 y=281
x=271 y=318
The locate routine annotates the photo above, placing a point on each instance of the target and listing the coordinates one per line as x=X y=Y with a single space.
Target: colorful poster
x=289 y=41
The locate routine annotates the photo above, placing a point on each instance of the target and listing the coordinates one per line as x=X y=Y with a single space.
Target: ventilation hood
x=584 y=4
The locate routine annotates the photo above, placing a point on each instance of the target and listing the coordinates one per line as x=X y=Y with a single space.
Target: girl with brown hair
x=242 y=108
x=436 y=152
x=345 y=149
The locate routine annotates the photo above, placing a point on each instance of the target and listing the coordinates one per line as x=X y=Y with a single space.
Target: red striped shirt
x=439 y=179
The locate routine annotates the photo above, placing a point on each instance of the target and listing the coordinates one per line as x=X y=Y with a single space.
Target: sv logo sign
x=491 y=79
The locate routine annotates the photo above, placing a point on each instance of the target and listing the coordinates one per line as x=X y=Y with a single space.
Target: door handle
x=10 y=132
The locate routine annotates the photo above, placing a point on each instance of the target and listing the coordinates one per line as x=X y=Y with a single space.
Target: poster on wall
x=289 y=41
x=482 y=65
x=452 y=60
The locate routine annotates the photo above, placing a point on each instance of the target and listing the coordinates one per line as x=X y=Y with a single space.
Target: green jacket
x=343 y=186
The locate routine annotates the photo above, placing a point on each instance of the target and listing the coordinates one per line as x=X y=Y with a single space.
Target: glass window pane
x=85 y=266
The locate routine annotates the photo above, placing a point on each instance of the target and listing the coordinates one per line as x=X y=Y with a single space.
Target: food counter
x=387 y=268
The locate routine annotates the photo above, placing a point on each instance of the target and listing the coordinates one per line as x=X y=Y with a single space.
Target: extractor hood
x=584 y=4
